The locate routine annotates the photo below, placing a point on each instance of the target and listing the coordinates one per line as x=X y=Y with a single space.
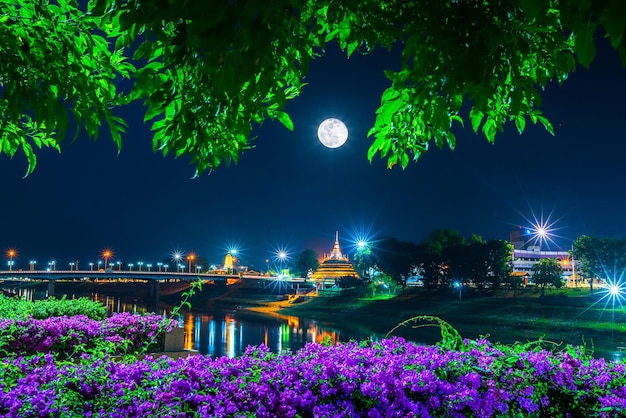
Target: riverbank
x=577 y=319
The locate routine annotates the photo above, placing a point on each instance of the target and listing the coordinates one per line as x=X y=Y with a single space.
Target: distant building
x=229 y=262
x=526 y=255
x=335 y=265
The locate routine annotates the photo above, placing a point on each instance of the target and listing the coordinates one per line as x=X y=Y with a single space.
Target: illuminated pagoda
x=229 y=262
x=335 y=265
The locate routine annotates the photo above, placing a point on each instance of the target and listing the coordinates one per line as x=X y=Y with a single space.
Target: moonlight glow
x=333 y=133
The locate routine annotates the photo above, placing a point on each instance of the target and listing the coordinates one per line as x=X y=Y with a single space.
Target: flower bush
x=389 y=378
x=64 y=336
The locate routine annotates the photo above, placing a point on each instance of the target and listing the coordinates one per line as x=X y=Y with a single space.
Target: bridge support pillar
x=154 y=293
x=50 y=288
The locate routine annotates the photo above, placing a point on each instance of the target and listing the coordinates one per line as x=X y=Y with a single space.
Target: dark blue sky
x=291 y=192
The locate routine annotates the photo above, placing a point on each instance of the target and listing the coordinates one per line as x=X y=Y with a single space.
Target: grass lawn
x=569 y=315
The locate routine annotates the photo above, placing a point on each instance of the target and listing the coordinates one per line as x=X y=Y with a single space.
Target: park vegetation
x=207 y=72
x=601 y=257
x=441 y=260
x=446 y=259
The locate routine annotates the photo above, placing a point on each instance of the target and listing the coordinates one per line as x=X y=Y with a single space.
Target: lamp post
x=71 y=266
x=140 y=263
x=190 y=257
x=99 y=264
x=130 y=266
x=32 y=265
x=11 y=254
x=159 y=265
x=165 y=266
x=119 y=265
x=91 y=265
x=282 y=256
x=176 y=257
x=106 y=254
x=149 y=266
x=361 y=257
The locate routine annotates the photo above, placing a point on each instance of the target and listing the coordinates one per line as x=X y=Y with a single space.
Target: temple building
x=229 y=262
x=335 y=265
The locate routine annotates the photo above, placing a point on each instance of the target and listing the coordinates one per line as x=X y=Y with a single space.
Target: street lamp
x=91 y=265
x=106 y=254
x=140 y=263
x=53 y=265
x=11 y=253
x=99 y=264
x=119 y=265
x=165 y=266
x=191 y=257
x=159 y=265
x=177 y=257
x=149 y=266
x=71 y=266
x=130 y=266
x=32 y=265
x=282 y=256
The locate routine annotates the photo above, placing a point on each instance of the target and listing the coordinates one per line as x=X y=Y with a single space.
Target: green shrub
x=12 y=307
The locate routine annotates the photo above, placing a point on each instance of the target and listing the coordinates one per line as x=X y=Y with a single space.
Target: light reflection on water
x=230 y=332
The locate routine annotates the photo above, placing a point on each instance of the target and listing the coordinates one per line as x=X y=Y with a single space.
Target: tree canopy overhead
x=208 y=70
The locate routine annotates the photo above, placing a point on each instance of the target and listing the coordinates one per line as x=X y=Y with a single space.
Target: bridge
x=51 y=275
x=46 y=275
x=153 y=277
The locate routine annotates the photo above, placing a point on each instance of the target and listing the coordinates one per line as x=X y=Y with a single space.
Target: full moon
x=332 y=133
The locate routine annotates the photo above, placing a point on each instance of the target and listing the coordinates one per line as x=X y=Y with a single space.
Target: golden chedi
x=335 y=265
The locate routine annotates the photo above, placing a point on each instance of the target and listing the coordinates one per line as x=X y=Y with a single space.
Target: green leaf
x=458 y=119
x=476 y=117
x=284 y=118
x=520 y=123
x=490 y=129
x=352 y=46
x=546 y=124
x=584 y=46
x=405 y=160
x=30 y=156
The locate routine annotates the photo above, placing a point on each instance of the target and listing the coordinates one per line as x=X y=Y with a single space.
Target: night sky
x=292 y=193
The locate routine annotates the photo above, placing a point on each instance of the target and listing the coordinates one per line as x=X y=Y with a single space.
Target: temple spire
x=335 y=254
x=335 y=265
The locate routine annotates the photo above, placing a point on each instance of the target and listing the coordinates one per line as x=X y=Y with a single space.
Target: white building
x=525 y=256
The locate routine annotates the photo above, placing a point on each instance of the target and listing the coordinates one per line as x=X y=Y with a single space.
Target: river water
x=228 y=332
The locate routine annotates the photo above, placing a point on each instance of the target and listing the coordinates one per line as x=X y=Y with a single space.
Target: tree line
x=445 y=258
